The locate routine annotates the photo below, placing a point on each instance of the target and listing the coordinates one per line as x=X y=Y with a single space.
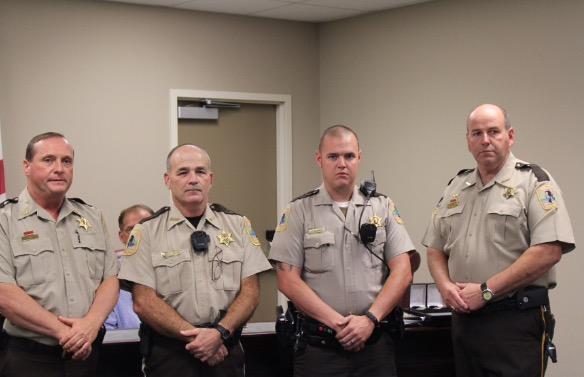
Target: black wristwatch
x=487 y=292
x=372 y=317
x=225 y=334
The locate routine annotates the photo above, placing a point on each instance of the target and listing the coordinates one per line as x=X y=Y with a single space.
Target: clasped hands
x=353 y=331
x=77 y=335
x=462 y=297
x=206 y=345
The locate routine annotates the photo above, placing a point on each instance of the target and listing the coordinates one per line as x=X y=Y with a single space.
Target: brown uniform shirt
x=159 y=255
x=484 y=229
x=60 y=264
x=315 y=235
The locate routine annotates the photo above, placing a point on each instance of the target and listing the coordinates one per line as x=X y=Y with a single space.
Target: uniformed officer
x=494 y=238
x=57 y=272
x=335 y=277
x=123 y=315
x=193 y=269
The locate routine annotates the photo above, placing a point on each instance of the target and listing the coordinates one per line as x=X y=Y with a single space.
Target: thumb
x=66 y=320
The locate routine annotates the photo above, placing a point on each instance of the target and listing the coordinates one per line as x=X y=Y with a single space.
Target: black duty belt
x=526 y=298
x=31 y=346
x=318 y=334
x=176 y=344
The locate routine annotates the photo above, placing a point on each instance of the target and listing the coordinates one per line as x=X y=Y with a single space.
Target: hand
x=78 y=339
x=219 y=356
x=356 y=329
x=472 y=295
x=205 y=343
x=451 y=295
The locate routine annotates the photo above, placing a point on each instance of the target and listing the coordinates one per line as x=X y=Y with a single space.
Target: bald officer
x=193 y=268
x=57 y=272
x=334 y=276
x=493 y=241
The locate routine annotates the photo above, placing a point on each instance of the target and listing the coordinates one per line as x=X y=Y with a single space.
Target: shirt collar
x=323 y=197
x=28 y=207
x=176 y=217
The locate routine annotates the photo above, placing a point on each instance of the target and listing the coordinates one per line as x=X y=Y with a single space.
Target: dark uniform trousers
x=22 y=357
x=166 y=360
x=504 y=343
x=375 y=360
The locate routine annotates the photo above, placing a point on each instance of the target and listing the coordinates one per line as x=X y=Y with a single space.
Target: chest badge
x=84 y=223
x=454 y=202
x=225 y=238
x=509 y=192
x=376 y=220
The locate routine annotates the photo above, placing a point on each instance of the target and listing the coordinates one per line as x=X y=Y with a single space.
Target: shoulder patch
x=395 y=212
x=539 y=173
x=156 y=214
x=462 y=172
x=546 y=197
x=253 y=238
x=8 y=201
x=80 y=201
x=220 y=208
x=307 y=195
x=283 y=222
x=133 y=243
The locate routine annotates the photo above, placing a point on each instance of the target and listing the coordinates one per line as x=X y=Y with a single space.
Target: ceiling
x=295 y=10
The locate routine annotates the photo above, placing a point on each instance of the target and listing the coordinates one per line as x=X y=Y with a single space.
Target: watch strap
x=372 y=317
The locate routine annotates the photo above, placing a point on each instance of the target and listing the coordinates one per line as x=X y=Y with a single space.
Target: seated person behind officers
x=123 y=315
x=493 y=241
x=336 y=276
x=57 y=272
x=193 y=270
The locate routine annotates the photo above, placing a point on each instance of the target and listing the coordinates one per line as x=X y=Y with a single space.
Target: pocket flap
x=170 y=258
x=505 y=209
x=452 y=211
x=318 y=240
x=32 y=247
x=88 y=240
x=228 y=255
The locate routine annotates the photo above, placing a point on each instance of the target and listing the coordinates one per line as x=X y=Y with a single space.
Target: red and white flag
x=2 y=184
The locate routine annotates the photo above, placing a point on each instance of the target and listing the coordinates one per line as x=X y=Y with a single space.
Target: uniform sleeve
x=254 y=259
x=288 y=243
x=6 y=264
x=111 y=265
x=548 y=217
x=136 y=259
x=398 y=239
x=433 y=237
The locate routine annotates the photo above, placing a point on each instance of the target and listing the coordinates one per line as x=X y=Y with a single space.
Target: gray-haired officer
x=336 y=273
x=493 y=241
x=193 y=269
x=57 y=272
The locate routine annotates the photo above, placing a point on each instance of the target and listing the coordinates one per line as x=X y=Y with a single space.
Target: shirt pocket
x=451 y=226
x=318 y=251
x=92 y=245
x=169 y=270
x=35 y=261
x=226 y=265
x=377 y=247
x=505 y=225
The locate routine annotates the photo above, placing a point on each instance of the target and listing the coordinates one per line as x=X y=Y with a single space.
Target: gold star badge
x=84 y=223
x=509 y=192
x=376 y=220
x=225 y=238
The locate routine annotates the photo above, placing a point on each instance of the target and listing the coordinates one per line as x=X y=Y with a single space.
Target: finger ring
x=350 y=342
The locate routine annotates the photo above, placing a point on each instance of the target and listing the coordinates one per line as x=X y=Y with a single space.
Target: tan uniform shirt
x=60 y=264
x=196 y=285
x=314 y=235
x=484 y=229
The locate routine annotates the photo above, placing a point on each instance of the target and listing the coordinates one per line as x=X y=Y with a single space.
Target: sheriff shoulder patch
x=395 y=212
x=546 y=197
x=253 y=238
x=283 y=223
x=133 y=243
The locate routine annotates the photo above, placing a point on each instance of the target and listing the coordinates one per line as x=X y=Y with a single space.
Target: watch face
x=487 y=295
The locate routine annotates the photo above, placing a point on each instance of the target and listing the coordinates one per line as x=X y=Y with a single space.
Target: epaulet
x=8 y=201
x=306 y=195
x=378 y=194
x=540 y=174
x=462 y=172
x=80 y=201
x=156 y=214
x=220 y=208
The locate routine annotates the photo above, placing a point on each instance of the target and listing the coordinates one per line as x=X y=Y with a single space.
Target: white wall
x=101 y=72
x=407 y=78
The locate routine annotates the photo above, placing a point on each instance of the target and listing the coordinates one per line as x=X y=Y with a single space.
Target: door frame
x=283 y=104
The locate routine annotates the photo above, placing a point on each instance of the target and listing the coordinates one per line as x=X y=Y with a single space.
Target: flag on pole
x=2 y=184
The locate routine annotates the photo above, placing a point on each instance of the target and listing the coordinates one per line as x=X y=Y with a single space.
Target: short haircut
x=169 y=156
x=501 y=108
x=134 y=208
x=335 y=131
x=29 y=154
